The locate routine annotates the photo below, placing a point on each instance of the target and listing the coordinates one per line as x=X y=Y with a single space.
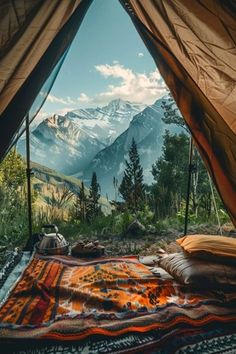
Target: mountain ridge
x=68 y=143
x=76 y=144
x=147 y=128
x=48 y=183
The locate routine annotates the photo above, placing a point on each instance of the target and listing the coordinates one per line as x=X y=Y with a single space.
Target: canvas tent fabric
x=191 y=41
x=194 y=46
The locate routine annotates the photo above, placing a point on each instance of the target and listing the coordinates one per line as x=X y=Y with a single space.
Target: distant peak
x=54 y=120
x=117 y=102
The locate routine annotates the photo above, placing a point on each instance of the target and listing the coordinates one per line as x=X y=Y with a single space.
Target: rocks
x=135 y=229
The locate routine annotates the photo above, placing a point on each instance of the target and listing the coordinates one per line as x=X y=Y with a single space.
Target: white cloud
x=123 y=83
x=66 y=101
x=116 y=70
x=140 y=55
x=69 y=100
x=54 y=99
x=83 y=98
x=63 y=111
x=136 y=87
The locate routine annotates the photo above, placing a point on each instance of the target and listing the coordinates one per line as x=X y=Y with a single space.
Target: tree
x=115 y=185
x=83 y=202
x=170 y=173
x=12 y=172
x=80 y=210
x=13 y=203
x=172 y=114
x=94 y=195
x=132 y=187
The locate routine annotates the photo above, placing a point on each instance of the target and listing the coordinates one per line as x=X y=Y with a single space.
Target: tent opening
x=128 y=152
x=83 y=130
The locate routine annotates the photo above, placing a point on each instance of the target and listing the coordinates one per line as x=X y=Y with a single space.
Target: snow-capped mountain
x=108 y=122
x=68 y=143
x=60 y=144
x=147 y=129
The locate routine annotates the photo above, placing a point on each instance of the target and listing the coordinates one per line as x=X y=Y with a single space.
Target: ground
x=139 y=245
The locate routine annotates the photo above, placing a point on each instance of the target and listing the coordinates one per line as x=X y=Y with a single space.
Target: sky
x=107 y=60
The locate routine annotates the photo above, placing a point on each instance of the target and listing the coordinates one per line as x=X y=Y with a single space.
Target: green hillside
x=51 y=185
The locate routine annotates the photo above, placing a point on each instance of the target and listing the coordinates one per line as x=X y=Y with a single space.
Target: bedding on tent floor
x=60 y=304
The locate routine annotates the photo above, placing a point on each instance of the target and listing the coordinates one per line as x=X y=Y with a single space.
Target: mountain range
x=98 y=139
x=68 y=143
x=108 y=122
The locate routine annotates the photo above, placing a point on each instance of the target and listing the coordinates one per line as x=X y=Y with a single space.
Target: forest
x=140 y=215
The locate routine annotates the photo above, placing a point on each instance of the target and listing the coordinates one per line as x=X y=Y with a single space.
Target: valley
x=90 y=140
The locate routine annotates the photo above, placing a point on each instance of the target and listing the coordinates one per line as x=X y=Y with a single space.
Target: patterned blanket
x=64 y=299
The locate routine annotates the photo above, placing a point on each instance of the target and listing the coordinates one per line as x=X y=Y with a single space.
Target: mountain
x=147 y=129
x=108 y=122
x=68 y=143
x=50 y=186
x=60 y=144
x=98 y=139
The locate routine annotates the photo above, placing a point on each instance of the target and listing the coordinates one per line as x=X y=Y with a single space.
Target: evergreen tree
x=94 y=195
x=132 y=187
x=172 y=114
x=75 y=212
x=82 y=203
x=200 y=192
x=170 y=173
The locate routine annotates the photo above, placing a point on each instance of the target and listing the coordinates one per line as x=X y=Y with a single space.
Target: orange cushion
x=221 y=246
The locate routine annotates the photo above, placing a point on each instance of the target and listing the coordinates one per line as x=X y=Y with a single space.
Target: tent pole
x=190 y=165
x=28 y=174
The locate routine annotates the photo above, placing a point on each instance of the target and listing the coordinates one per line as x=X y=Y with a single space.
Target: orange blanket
x=64 y=298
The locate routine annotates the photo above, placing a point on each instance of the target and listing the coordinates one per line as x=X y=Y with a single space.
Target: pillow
x=218 y=248
x=197 y=273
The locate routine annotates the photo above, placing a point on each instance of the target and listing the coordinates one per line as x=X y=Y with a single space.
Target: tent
x=192 y=42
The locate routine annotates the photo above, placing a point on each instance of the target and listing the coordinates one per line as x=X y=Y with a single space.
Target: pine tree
x=198 y=176
x=172 y=114
x=170 y=173
x=132 y=187
x=94 y=195
x=115 y=185
x=83 y=203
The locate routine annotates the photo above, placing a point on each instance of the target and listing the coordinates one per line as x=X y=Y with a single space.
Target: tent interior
x=179 y=302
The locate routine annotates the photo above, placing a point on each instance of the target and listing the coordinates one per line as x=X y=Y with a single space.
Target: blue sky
x=107 y=60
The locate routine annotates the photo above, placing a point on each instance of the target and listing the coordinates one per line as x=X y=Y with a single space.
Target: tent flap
x=194 y=46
